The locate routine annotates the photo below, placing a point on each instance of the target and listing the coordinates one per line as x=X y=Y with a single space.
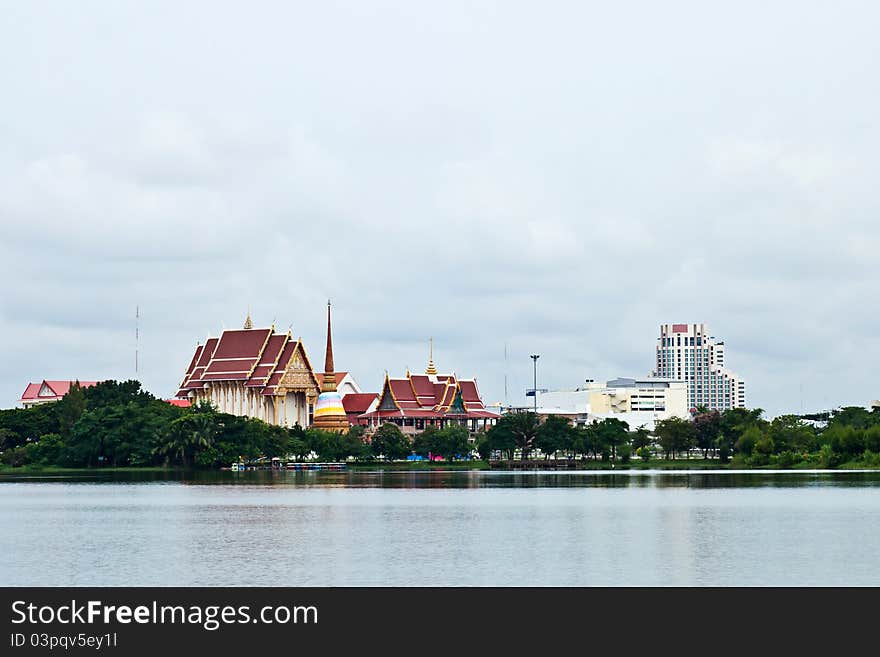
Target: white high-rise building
x=688 y=353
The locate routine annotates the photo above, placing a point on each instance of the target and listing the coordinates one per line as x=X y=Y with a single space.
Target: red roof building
x=358 y=403
x=418 y=401
x=257 y=373
x=48 y=391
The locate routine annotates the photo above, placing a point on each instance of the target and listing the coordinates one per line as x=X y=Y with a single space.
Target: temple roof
x=422 y=395
x=236 y=355
x=358 y=402
x=51 y=390
x=258 y=357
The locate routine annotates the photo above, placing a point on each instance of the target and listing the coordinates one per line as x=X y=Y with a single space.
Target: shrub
x=828 y=458
x=787 y=459
x=644 y=453
x=624 y=452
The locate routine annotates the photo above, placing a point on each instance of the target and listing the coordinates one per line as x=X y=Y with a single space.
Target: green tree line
x=739 y=436
x=118 y=424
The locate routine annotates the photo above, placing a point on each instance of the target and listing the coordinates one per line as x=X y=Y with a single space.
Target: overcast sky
x=557 y=177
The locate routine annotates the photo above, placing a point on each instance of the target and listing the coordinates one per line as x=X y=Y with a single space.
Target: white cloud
x=561 y=183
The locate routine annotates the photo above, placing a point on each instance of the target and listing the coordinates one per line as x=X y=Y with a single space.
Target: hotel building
x=688 y=353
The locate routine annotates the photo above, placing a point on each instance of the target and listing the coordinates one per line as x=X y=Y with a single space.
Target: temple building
x=48 y=391
x=417 y=401
x=258 y=373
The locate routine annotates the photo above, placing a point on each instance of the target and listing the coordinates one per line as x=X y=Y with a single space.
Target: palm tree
x=523 y=427
x=188 y=434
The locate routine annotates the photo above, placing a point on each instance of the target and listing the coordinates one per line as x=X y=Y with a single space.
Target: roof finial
x=432 y=370
x=248 y=322
x=329 y=374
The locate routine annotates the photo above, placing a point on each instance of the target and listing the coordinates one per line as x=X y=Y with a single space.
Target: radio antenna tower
x=505 y=374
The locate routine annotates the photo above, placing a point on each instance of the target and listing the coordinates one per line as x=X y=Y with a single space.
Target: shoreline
x=659 y=465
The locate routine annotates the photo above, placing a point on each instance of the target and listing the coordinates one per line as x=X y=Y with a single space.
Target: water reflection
x=441 y=528
x=390 y=478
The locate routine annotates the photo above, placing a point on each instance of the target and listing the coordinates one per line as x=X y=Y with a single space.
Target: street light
x=535 y=358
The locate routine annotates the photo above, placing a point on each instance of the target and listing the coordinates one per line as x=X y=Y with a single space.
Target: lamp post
x=535 y=358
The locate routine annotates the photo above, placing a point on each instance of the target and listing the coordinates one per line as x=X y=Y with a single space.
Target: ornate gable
x=457 y=405
x=298 y=373
x=386 y=401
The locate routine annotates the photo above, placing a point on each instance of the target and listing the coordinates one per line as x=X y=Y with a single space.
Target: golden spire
x=248 y=322
x=329 y=375
x=431 y=369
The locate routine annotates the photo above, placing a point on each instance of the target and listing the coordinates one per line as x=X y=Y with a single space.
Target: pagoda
x=329 y=412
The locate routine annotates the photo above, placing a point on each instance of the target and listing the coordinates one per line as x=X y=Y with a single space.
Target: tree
x=612 y=433
x=453 y=442
x=591 y=439
x=47 y=450
x=639 y=438
x=114 y=393
x=789 y=432
x=188 y=435
x=501 y=438
x=351 y=444
x=674 y=435
x=427 y=443
x=734 y=421
x=554 y=434
x=482 y=444
x=70 y=408
x=515 y=430
x=707 y=428
x=747 y=441
x=389 y=442
x=9 y=439
x=853 y=416
x=297 y=445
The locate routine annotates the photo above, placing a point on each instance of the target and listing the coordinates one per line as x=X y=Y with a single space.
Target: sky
x=556 y=178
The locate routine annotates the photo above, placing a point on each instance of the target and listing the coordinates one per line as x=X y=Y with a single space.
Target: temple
x=329 y=411
x=48 y=391
x=258 y=373
x=417 y=401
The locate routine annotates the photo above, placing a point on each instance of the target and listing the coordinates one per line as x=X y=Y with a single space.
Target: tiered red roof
x=267 y=361
x=259 y=357
x=425 y=396
x=236 y=355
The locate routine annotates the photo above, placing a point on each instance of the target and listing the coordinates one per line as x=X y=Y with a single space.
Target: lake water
x=442 y=528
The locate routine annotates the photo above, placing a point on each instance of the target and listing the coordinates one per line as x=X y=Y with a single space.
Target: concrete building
x=638 y=402
x=687 y=352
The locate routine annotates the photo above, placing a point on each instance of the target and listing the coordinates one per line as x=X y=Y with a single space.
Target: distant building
x=417 y=401
x=257 y=373
x=48 y=391
x=687 y=352
x=638 y=402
